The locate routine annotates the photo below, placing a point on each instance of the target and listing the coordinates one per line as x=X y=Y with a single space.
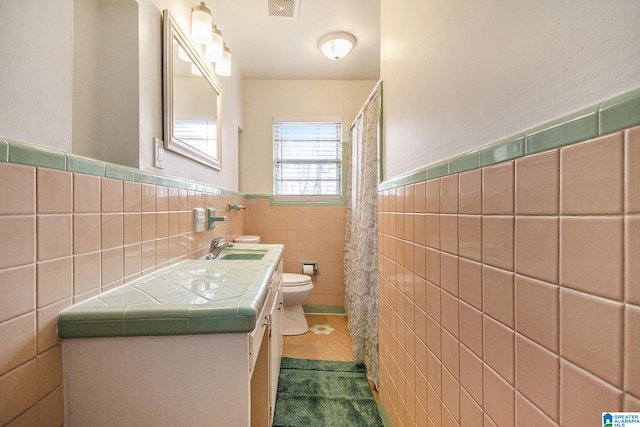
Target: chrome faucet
x=216 y=246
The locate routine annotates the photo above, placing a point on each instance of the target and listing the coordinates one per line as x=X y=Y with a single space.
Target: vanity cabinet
x=207 y=379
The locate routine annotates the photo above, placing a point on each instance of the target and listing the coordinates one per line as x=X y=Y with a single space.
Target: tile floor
x=328 y=339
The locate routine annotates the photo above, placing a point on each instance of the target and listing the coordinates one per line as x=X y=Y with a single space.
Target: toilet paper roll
x=307 y=269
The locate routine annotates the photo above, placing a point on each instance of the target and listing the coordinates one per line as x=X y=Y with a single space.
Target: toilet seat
x=293 y=279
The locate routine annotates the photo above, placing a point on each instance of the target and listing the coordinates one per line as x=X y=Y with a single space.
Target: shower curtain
x=361 y=236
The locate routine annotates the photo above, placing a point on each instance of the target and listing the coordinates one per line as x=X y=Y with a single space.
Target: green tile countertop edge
x=615 y=114
x=216 y=296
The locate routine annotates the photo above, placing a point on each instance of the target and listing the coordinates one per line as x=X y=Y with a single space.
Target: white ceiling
x=267 y=47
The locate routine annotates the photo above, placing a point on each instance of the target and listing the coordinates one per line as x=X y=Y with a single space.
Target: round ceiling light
x=337 y=45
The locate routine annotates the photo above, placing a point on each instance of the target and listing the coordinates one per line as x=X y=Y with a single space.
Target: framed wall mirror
x=192 y=99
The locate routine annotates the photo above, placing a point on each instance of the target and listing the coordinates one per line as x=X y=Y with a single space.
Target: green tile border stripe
x=33 y=155
x=616 y=114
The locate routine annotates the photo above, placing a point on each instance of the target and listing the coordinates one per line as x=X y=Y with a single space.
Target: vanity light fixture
x=201 y=22
x=336 y=45
x=214 y=49
x=223 y=67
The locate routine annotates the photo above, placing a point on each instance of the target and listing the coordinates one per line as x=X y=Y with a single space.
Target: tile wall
x=309 y=233
x=510 y=294
x=65 y=237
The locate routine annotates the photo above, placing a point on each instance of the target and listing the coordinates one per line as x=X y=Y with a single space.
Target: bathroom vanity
x=194 y=344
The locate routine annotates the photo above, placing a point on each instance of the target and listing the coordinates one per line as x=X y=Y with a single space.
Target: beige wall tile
x=537 y=311
x=174 y=199
x=54 y=191
x=471 y=328
x=419 y=198
x=449 y=315
x=499 y=398
x=47 y=324
x=528 y=415
x=149 y=198
x=632 y=259
x=18 y=290
x=632 y=349
x=86 y=233
x=17 y=240
x=448 y=194
x=419 y=229
x=132 y=196
x=86 y=273
x=132 y=260
x=112 y=229
x=449 y=273
x=433 y=231
x=18 y=337
x=537 y=247
x=434 y=406
x=632 y=170
x=470 y=235
x=590 y=324
x=498 y=189
x=26 y=419
x=149 y=227
x=582 y=396
x=433 y=265
x=449 y=233
x=162 y=199
x=591 y=255
x=631 y=404
x=23 y=383
x=470 y=412
x=538 y=376
x=162 y=224
x=593 y=177
x=499 y=348
x=86 y=193
x=472 y=374
x=470 y=199
x=112 y=198
x=49 y=370
x=54 y=280
x=538 y=184
x=51 y=408
x=111 y=265
x=497 y=241
x=54 y=236
x=20 y=196
x=498 y=291
x=148 y=260
x=132 y=228
x=470 y=282
x=451 y=353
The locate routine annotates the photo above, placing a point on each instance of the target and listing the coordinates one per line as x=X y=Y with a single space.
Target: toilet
x=295 y=289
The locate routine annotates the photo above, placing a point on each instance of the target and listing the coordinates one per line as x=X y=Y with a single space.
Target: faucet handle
x=216 y=240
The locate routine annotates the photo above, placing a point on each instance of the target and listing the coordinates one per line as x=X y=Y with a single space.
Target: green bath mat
x=317 y=393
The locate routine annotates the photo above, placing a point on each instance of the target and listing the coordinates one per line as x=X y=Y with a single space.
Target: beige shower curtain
x=361 y=236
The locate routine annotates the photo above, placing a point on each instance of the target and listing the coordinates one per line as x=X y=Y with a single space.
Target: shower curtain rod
x=371 y=95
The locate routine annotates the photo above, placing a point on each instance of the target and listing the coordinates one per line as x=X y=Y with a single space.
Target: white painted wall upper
x=459 y=75
x=36 y=72
x=265 y=99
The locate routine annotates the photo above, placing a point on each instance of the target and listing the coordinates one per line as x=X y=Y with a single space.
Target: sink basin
x=241 y=256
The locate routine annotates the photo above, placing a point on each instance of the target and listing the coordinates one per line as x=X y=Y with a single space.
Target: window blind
x=307 y=158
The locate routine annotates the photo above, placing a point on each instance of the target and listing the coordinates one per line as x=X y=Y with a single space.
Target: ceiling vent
x=284 y=8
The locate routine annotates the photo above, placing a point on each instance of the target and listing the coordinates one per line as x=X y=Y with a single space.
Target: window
x=307 y=160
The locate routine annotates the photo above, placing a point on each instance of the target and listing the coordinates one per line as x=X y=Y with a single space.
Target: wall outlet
x=158 y=153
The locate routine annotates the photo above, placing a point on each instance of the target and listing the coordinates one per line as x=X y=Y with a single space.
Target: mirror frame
x=172 y=31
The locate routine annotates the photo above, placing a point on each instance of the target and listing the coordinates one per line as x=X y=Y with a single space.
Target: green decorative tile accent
x=568 y=130
x=144 y=177
x=85 y=165
x=4 y=150
x=438 y=170
x=220 y=325
x=502 y=151
x=620 y=112
x=191 y=186
x=177 y=183
x=119 y=172
x=36 y=156
x=323 y=309
x=464 y=162
x=161 y=180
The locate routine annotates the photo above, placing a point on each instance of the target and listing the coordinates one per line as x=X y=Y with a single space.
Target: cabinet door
x=275 y=347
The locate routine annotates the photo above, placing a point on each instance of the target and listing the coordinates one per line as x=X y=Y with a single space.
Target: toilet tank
x=247 y=239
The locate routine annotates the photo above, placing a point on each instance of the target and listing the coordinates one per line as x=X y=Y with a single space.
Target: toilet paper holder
x=307 y=264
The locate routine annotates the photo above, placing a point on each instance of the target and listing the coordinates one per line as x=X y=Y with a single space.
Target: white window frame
x=310 y=197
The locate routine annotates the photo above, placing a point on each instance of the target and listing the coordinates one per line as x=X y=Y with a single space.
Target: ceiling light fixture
x=223 y=67
x=337 y=45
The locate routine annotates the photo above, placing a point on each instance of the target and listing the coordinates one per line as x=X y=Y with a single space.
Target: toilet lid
x=292 y=279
